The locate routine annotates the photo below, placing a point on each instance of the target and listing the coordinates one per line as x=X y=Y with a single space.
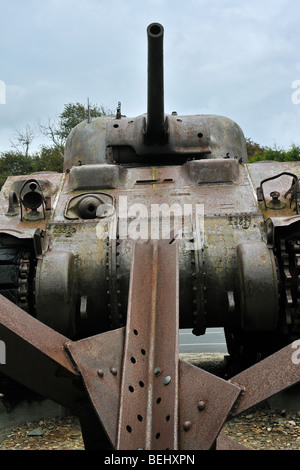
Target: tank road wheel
x=255 y=333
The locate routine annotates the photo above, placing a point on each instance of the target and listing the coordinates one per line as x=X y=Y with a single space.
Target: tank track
x=17 y=269
x=17 y=273
x=289 y=262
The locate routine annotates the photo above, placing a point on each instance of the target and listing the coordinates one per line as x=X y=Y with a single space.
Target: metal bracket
x=294 y=189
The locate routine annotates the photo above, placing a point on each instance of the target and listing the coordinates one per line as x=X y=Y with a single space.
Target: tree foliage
x=49 y=159
x=73 y=114
x=14 y=163
x=254 y=149
x=257 y=153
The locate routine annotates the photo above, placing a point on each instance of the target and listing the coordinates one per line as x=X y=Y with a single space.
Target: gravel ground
x=265 y=429
x=260 y=428
x=49 y=434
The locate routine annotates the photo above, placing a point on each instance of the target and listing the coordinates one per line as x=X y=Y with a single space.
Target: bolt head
x=201 y=405
x=167 y=380
x=187 y=425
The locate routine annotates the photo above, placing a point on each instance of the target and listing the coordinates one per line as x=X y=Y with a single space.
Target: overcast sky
x=236 y=58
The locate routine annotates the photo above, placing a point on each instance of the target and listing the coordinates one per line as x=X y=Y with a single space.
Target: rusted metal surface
x=258 y=286
x=274 y=177
x=226 y=443
x=99 y=361
x=204 y=404
x=36 y=356
x=264 y=379
x=149 y=393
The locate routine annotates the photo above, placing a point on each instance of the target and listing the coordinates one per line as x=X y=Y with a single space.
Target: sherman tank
x=67 y=240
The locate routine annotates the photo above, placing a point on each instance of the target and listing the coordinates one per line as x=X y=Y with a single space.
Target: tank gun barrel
x=155 y=130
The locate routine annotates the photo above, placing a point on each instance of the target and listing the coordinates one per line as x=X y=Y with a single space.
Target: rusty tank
x=67 y=241
x=238 y=255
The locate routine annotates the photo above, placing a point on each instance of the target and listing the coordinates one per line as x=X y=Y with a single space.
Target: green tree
x=293 y=155
x=14 y=163
x=72 y=114
x=49 y=159
x=255 y=151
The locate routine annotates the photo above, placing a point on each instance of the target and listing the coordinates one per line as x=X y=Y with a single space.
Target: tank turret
x=155 y=137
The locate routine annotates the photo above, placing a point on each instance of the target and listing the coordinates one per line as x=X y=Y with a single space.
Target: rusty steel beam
x=36 y=356
x=266 y=378
x=226 y=443
x=149 y=393
x=132 y=377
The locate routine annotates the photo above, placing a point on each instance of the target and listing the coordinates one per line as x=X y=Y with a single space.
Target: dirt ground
x=260 y=428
